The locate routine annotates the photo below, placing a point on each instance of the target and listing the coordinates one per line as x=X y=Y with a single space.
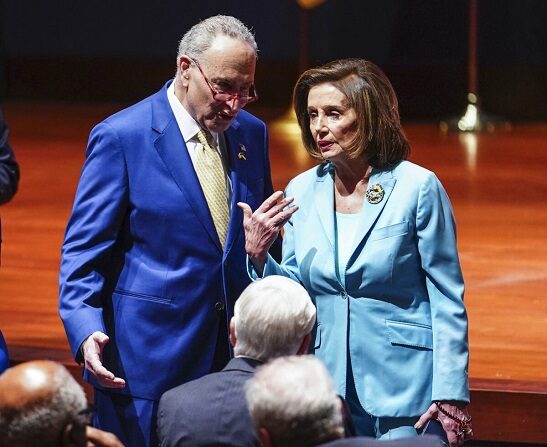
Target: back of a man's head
x=272 y=317
x=38 y=400
x=293 y=402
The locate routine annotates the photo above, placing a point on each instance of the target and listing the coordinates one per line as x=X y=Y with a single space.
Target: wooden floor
x=497 y=183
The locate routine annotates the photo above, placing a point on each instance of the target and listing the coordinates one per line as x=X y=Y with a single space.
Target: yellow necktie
x=210 y=171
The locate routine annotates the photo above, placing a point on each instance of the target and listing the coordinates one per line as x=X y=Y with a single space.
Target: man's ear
x=303 y=349
x=264 y=437
x=233 y=338
x=184 y=63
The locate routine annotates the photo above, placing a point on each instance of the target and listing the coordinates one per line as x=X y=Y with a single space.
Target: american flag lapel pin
x=242 y=152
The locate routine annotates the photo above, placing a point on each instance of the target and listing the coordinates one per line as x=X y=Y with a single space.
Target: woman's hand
x=454 y=418
x=263 y=226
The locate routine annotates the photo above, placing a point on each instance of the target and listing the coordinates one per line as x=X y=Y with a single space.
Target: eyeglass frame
x=245 y=100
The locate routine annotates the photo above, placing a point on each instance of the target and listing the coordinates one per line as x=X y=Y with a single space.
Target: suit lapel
x=371 y=211
x=238 y=177
x=172 y=150
x=324 y=204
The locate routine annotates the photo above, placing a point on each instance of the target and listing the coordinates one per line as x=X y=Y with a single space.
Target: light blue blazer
x=397 y=307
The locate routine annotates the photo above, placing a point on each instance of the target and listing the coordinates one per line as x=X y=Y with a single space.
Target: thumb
x=247 y=211
x=101 y=338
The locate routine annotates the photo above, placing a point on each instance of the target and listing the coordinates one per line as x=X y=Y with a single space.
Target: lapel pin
x=375 y=194
x=241 y=155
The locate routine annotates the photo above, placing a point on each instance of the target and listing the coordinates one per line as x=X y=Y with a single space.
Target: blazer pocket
x=389 y=231
x=143 y=296
x=409 y=334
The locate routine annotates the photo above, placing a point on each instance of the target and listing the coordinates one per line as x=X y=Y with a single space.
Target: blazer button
x=219 y=306
x=343 y=294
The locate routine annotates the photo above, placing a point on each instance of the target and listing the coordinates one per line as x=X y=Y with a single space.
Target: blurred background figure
x=9 y=180
x=41 y=405
x=9 y=169
x=272 y=317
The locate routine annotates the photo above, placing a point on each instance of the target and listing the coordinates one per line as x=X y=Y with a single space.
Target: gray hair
x=294 y=399
x=200 y=37
x=271 y=318
x=42 y=424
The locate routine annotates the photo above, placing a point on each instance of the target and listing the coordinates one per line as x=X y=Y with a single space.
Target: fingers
x=92 y=351
x=422 y=421
x=431 y=413
x=101 y=438
x=270 y=202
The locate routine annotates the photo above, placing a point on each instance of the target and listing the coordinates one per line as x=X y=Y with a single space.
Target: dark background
x=113 y=50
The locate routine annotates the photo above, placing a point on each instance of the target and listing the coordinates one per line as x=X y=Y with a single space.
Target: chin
x=218 y=125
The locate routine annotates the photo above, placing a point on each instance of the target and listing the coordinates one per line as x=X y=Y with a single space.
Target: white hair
x=41 y=424
x=200 y=37
x=271 y=318
x=295 y=400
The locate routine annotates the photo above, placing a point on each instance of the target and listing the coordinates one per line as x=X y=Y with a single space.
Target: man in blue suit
x=153 y=258
x=272 y=317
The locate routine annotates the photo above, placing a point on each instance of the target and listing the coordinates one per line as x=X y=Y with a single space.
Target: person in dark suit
x=4 y=358
x=9 y=168
x=293 y=402
x=153 y=257
x=9 y=180
x=272 y=317
x=41 y=405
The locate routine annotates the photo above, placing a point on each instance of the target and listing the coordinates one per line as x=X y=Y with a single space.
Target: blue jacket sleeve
x=436 y=234
x=93 y=229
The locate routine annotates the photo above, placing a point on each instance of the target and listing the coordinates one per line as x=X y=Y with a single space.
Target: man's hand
x=263 y=226
x=99 y=438
x=92 y=350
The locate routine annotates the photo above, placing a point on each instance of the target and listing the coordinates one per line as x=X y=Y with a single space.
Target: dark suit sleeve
x=4 y=358
x=9 y=169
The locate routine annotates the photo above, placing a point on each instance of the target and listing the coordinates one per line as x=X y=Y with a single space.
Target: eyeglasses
x=222 y=96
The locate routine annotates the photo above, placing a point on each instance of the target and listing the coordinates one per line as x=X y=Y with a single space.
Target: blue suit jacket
x=211 y=410
x=141 y=260
x=397 y=306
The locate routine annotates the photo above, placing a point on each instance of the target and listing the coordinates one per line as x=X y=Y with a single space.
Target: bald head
x=37 y=401
x=27 y=384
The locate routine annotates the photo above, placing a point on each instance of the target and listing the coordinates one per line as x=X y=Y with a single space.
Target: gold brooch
x=375 y=194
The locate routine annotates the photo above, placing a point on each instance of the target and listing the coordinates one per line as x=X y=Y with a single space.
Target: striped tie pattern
x=210 y=171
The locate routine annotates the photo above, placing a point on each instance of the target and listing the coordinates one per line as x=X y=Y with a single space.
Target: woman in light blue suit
x=372 y=238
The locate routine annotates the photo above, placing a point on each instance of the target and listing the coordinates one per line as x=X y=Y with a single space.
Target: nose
x=234 y=103
x=319 y=124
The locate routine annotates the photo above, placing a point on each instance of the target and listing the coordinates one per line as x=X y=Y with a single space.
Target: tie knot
x=205 y=138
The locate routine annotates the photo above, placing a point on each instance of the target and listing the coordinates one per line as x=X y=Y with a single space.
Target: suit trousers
x=131 y=419
x=383 y=428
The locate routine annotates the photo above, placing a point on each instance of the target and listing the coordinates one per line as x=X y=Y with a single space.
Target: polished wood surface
x=497 y=183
